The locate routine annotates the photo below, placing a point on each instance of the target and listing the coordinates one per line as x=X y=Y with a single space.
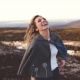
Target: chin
x=46 y=29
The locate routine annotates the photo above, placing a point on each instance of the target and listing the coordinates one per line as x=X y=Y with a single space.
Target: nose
x=43 y=20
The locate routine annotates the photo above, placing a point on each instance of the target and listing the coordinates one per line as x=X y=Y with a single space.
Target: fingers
x=62 y=63
x=33 y=78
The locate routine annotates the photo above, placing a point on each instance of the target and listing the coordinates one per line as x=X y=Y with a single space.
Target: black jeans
x=56 y=75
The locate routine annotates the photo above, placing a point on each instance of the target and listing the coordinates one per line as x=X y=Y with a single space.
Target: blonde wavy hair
x=31 y=32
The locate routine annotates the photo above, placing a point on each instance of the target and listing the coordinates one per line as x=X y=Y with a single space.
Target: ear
x=37 y=29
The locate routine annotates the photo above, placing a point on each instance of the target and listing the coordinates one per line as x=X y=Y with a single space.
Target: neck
x=45 y=34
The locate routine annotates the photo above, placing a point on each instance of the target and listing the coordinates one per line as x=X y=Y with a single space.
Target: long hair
x=31 y=33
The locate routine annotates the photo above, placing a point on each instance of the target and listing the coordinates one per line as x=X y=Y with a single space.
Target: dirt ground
x=10 y=58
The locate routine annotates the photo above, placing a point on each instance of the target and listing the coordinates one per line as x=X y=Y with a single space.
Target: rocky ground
x=10 y=58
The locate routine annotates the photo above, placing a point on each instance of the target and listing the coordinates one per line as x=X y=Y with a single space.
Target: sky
x=14 y=10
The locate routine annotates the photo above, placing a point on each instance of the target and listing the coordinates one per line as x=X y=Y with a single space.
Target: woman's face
x=41 y=23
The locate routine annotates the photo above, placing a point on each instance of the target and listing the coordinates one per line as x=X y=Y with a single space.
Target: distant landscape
x=70 y=23
x=17 y=34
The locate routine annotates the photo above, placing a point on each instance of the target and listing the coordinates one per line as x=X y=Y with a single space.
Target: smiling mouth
x=44 y=24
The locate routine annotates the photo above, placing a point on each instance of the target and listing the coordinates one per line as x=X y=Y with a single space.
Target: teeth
x=44 y=24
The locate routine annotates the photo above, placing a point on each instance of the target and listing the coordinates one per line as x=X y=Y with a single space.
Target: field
x=72 y=34
x=17 y=34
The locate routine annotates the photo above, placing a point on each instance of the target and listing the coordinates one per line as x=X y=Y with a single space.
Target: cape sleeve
x=29 y=55
x=62 y=50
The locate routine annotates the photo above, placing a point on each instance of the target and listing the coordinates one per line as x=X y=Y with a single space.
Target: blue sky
x=14 y=10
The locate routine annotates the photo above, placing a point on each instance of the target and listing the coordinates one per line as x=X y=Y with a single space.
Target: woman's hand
x=62 y=63
x=33 y=78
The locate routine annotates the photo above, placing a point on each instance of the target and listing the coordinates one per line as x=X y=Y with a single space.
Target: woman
x=39 y=60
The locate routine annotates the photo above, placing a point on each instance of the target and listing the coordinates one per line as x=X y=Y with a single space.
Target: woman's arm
x=62 y=60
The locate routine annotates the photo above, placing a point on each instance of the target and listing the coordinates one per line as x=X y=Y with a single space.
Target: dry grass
x=13 y=31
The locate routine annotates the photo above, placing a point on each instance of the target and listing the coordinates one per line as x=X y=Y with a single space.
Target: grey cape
x=36 y=60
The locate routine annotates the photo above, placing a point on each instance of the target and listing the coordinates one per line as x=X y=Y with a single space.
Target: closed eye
x=39 y=20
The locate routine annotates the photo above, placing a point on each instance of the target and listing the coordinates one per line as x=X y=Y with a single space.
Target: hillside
x=10 y=60
x=73 y=24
